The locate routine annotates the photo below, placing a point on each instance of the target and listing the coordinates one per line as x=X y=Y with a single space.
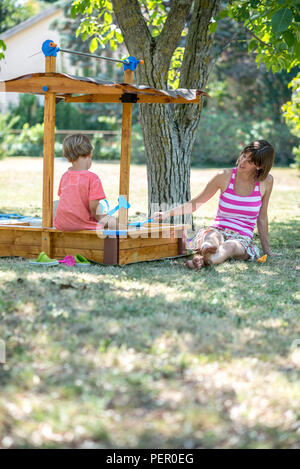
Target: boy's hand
x=109 y=222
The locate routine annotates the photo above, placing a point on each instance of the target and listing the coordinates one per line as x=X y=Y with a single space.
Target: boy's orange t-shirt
x=76 y=189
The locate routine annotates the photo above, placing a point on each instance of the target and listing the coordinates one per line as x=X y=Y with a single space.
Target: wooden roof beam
x=141 y=99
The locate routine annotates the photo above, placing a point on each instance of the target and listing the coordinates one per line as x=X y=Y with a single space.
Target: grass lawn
x=151 y=355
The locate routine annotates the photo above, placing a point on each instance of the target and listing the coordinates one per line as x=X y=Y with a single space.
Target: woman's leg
x=208 y=243
x=230 y=248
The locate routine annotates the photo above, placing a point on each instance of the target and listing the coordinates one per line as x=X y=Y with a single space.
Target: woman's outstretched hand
x=158 y=216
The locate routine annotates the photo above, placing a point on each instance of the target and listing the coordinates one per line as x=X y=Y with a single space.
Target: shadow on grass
x=123 y=342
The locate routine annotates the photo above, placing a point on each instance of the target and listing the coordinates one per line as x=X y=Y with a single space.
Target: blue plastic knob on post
x=131 y=63
x=49 y=48
x=45 y=88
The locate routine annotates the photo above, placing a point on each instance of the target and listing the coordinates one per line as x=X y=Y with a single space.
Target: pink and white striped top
x=236 y=212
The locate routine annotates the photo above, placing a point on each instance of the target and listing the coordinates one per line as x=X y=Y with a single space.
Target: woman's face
x=245 y=163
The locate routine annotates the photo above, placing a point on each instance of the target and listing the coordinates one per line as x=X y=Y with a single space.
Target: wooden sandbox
x=151 y=241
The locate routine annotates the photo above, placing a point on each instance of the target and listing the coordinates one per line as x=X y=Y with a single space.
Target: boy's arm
x=108 y=221
x=262 y=220
x=95 y=209
x=96 y=193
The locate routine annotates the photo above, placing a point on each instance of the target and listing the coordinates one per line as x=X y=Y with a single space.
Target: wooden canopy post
x=49 y=138
x=125 y=150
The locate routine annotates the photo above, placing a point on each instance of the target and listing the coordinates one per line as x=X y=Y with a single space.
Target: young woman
x=244 y=198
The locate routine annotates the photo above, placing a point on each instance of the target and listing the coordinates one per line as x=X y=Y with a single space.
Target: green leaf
x=252 y=44
x=107 y=18
x=154 y=15
x=93 y=45
x=213 y=27
x=281 y=20
x=297 y=49
x=119 y=37
x=73 y=12
x=289 y=38
x=113 y=44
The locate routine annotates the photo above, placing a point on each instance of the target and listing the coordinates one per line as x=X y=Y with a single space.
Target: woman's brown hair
x=262 y=155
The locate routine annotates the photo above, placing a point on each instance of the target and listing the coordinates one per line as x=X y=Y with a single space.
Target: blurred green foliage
x=223 y=134
x=6 y=124
x=246 y=100
x=292 y=115
x=275 y=29
x=28 y=143
x=13 y=12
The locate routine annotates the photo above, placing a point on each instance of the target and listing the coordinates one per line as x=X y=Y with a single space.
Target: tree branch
x=196 y=59
x=170 y=35
x=257 y=38
x=132 y=23
x=217 y=56
x=198 y=44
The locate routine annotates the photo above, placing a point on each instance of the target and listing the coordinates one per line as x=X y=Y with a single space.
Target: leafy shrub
x=82 y=116
x=292 y=115
x=138 y=154
x=6 y=124
x=29 y=142
x=222 y=135
x=29 y=111
x=106 y=148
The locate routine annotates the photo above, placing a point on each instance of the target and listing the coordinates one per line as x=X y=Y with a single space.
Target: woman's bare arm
x=215 y=183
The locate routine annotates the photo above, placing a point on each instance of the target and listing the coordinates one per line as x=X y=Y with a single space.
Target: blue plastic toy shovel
x=122 y=204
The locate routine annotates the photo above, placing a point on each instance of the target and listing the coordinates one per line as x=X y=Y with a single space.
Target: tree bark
x=169 y=130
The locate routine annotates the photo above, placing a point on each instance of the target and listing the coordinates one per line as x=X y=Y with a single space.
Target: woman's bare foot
x=208 y=248
x=196 y=263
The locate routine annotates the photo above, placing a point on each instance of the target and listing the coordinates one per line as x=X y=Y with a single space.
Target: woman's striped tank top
x=236 y=212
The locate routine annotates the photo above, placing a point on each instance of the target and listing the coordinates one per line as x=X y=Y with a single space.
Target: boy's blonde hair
x=77 y=145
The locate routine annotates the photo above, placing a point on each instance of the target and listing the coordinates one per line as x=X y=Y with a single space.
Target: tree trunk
x=168 y=157
x=169 y=130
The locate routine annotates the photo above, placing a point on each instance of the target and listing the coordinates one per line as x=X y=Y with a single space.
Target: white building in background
x=25 y=40
x=24 y=54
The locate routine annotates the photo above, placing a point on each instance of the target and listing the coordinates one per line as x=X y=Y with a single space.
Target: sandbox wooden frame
x=151 y=241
